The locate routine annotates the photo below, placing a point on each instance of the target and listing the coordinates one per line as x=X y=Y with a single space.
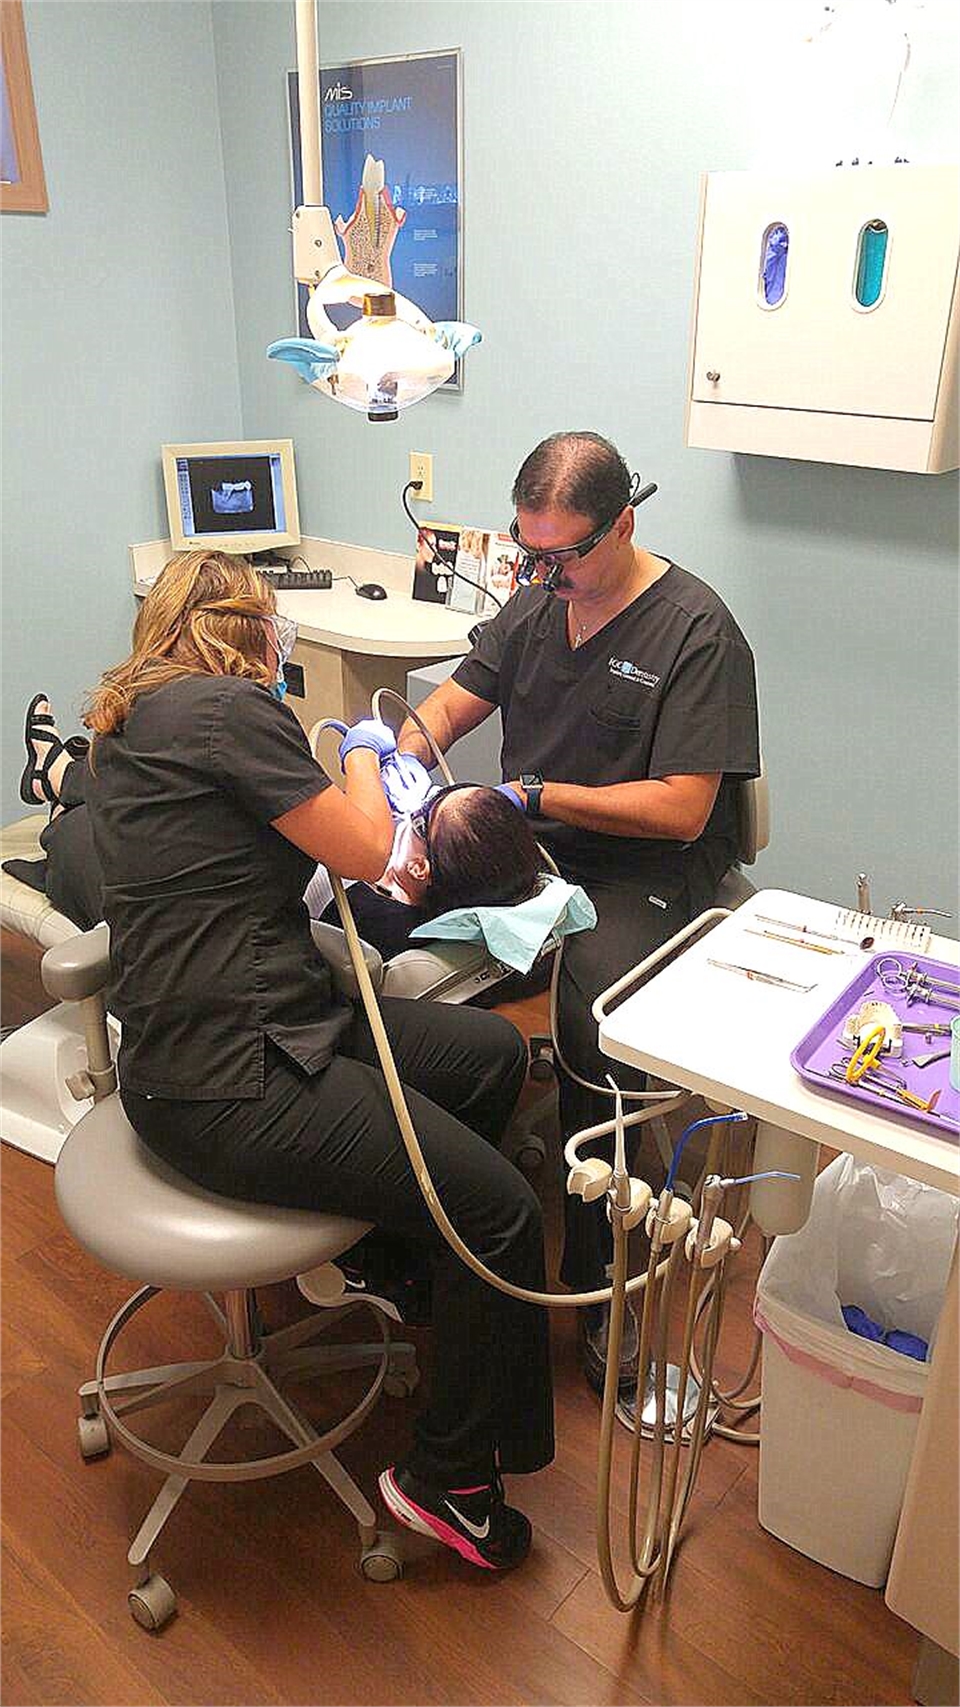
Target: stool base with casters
x=249 y=1371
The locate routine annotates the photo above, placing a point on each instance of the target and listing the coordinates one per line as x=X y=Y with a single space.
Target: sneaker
x=475 y=1521
x=593 y=1321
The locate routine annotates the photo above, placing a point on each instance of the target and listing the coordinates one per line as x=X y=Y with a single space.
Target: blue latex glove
x=456 y=336
x=312 y=360
x=406 y=782
x=512 y=795
x=377 y=737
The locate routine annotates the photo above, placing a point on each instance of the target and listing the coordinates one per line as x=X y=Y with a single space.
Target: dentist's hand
x=514 y=795
x=377 y=737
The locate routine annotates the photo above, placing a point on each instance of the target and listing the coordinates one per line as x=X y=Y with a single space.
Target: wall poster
x=392 y=177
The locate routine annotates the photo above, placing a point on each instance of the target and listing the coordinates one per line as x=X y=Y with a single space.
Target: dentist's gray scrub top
x=666 y=688
x=210 y=942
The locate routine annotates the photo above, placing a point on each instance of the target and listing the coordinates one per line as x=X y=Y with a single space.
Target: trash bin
x=839 y=1412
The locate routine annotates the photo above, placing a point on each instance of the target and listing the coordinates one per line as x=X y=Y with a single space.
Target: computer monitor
x=231 y=497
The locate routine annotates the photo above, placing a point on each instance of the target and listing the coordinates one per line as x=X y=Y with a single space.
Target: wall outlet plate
x=421 y=468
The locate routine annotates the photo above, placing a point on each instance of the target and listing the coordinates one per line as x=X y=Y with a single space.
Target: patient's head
x=477 y=850
x=481 y=850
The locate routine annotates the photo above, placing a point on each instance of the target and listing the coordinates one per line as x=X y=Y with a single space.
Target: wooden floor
x=271 y=1605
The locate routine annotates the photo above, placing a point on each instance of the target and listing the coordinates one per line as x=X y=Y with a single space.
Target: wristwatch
x=532 y=784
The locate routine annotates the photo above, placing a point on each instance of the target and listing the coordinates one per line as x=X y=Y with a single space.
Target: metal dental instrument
x=928 y=1060
x=776 y=936
x=893 y=1093
x=808 y=930
x=761 y=977
x=880 y=1072
x=935 y=1028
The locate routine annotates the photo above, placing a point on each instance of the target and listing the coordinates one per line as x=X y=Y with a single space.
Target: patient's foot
x=47 y=755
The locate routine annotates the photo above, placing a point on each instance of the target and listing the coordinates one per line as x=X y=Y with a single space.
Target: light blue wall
x=586 y=128
x=118 y=331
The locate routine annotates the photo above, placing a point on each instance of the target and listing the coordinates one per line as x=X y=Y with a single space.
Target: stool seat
x=144 y=1220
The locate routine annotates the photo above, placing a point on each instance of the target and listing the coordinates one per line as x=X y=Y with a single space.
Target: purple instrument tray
x=821 y=1046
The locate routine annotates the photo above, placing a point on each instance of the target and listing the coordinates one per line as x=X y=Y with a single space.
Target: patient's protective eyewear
x=285 y=636
x=420 y=820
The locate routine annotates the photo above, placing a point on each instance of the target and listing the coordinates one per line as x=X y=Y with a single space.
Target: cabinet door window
x=773 y=265
x=871 y=263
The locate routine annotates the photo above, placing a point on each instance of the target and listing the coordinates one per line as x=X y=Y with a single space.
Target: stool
x=142 y=1219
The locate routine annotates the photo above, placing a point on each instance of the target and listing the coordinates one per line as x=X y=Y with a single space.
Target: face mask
x=279 y=690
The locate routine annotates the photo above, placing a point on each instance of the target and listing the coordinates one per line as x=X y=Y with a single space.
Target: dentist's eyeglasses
x=550 y=561
x=544 y=568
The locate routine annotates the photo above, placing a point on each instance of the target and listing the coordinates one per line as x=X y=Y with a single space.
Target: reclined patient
x=467 y=846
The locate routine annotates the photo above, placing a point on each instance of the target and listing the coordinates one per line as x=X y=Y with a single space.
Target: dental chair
x=146 y=1222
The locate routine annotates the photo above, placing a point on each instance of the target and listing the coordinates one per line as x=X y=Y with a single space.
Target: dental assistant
x=628 y=699
x=239 y=1064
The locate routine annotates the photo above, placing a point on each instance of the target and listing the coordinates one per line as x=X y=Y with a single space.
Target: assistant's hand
x=370 y=733
x=406 y=782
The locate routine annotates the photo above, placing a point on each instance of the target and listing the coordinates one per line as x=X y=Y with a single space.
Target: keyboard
x=299 y=580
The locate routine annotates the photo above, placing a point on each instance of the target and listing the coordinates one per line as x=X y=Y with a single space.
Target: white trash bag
x=874 y=1239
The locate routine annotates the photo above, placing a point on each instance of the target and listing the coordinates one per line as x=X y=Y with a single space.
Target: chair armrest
x=332 y=943
x=79 y=967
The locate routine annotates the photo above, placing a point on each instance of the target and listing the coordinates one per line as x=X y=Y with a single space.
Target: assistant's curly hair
x=203 y=616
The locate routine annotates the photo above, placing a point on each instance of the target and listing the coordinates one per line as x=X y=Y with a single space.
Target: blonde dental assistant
x=241 y=1067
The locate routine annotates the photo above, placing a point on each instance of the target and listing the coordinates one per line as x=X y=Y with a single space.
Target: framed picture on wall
x=392 y=178
x=23 y=187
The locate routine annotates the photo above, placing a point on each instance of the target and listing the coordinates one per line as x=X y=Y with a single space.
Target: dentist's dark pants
x=330 y=1142
x=630 y=925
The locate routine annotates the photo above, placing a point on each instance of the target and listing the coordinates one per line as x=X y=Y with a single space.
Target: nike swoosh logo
x=479 y=1530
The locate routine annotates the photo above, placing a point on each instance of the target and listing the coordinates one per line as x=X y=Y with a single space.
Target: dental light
x=390 y=357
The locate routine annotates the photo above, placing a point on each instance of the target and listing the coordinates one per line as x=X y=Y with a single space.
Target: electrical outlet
x=421 y=468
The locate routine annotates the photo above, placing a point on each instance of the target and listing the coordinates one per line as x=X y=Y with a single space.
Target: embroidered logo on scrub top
x=632 y=673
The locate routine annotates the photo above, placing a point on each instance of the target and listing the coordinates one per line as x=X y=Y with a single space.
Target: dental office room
x=536 y=423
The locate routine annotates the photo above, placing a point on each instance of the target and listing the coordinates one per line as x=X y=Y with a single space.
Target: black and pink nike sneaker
x=475 y=1521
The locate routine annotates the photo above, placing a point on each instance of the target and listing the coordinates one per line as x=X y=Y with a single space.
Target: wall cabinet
x=825 y=322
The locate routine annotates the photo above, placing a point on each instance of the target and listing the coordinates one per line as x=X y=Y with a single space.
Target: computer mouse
x=371 y=590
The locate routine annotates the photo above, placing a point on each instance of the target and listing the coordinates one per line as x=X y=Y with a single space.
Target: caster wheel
x=400 y=1386
x=541 y=1070
x=382 y=1563
x=152 y=1603
x=93 y=1436
x=530 y=1156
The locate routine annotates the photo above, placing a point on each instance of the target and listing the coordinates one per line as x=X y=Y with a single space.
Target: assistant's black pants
x=331 y=1142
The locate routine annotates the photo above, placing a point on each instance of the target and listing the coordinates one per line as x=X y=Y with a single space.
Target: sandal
x=40 y=726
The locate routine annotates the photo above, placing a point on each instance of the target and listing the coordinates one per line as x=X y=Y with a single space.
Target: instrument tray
x=815 y=1053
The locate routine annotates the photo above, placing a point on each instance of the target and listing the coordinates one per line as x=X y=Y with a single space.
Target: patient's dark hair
x=579 y=472
x=482 y=852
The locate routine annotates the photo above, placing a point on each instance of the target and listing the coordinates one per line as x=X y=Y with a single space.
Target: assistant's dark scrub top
x=666 y=688
x=210 y=941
